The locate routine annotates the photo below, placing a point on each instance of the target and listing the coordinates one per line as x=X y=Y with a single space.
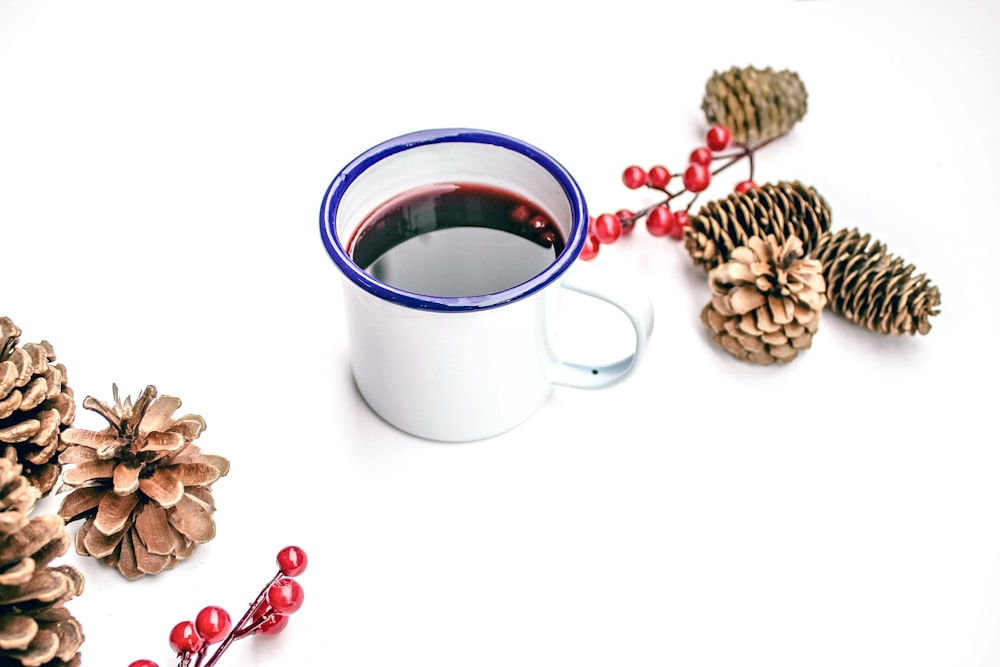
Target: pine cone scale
x=16 y=632
x=192 y=520
x=42 y=649
x=126 y=562
x=90 y=470
x=159 y=417
x=70 y=636
x=9 y=404
x=34 y=393
x=164 y=441
x=98 y=544
x=113 y=512
x=8 y=377
x=102 y=442
x=155 y=531
x=20 y=432
x=125 y=477
x=44 y=585
x=45 y=437
x=35 y=534
x=146 y=561
x=80 y=502
x=195 y=474
x=163 y=487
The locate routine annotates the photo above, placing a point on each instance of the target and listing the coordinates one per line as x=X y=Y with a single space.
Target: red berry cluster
x=267 y=615
x=661 y=219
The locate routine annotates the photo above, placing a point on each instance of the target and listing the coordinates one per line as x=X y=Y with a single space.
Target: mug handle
x=587 y=279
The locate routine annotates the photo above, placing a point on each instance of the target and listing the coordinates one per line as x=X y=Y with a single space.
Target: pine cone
x=755 y=104
x=871 y=287
x=35 y=406
x=766 y=301
x=784 y=209
x=143 y=487
x=35 y=627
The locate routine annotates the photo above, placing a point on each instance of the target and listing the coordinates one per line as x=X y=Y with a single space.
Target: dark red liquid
x=456 y=239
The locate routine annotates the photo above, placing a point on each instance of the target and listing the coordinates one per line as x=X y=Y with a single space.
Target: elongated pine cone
x=143 y=487
x=873 y=288
x=766 y=301
x=35 y=406
x=784 y=209
x=36 y=629
x=755 y=104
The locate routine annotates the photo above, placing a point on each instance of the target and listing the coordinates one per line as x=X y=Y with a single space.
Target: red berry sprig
x=268 y=615
x=661 y=219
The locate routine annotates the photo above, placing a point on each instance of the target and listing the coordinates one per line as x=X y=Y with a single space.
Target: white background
x=161 y=170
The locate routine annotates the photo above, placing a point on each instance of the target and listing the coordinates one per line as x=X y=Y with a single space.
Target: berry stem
x=249 y=630
x=644 y=211
x=236 y=632
x=746 y=151
x=201 y=655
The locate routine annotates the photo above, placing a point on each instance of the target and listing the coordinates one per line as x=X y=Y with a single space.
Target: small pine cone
x=872 y=288
x=36 y=629
x=755 y=104
x=143 y=487
x=35 y=406
x=766 y=301
x=784 y=209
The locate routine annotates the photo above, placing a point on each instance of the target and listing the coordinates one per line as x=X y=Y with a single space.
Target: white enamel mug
x=461 y=368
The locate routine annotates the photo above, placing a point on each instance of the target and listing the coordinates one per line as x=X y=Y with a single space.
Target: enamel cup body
x=459 y=368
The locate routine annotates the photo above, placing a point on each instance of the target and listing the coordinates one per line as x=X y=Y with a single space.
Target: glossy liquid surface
x=456 y=240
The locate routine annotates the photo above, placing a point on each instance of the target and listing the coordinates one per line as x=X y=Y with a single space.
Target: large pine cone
x=872 y=288
x=766 y=302
x=35 y=406
x=755 y=104
x=784 y=209
x=143 y=487
x=36 y=630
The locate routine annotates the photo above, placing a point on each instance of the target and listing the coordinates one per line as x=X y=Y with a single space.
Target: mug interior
x=451 y=156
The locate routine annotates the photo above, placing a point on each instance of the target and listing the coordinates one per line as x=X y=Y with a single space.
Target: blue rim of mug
x=343 y=180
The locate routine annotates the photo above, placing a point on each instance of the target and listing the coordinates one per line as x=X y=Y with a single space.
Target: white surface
x=161 y=169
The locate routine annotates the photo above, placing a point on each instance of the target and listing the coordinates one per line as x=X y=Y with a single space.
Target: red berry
x=697 y=177
x=634 y=177
x=143 y=663
x=274 y=624
x=701 y=156
x=538 y=223
x=590 y=248
x=681 y=220
x=626 y=216
x=185 y=638
x=660 y=221
x=718 y=137
x=213 y=624
x=743 y=186
x=659 y=176
x=521 y=213
x=607 y=228
x=285 y=596
x=292 y=561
